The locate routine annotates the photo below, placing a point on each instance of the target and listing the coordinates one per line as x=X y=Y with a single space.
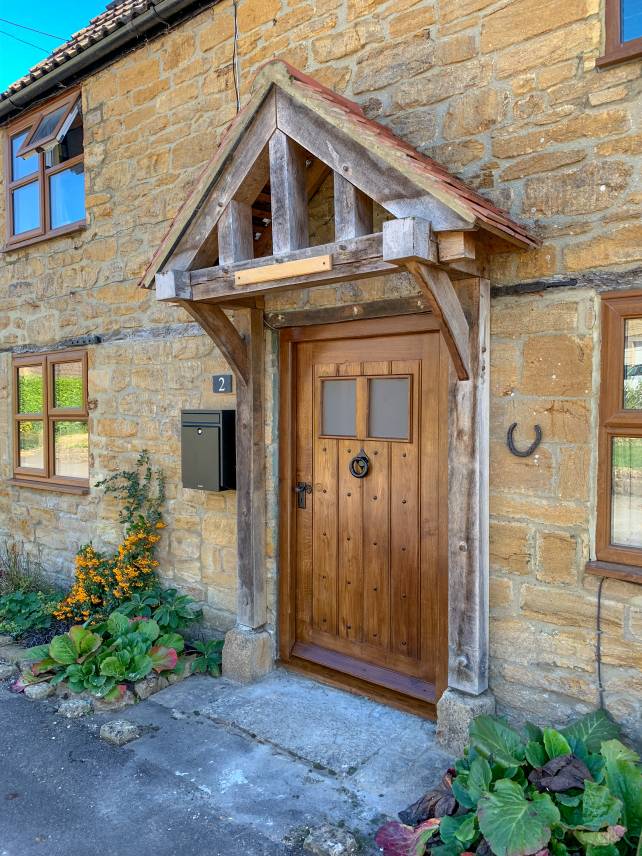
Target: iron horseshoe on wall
x=359 y=465
x=526 y=453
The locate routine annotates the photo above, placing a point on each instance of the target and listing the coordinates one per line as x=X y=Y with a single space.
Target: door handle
x=301 y=489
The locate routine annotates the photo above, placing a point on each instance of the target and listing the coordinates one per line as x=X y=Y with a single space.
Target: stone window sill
x=626 y=573
x=78 y=489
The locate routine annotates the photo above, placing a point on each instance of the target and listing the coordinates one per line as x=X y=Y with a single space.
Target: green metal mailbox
x=208 y=449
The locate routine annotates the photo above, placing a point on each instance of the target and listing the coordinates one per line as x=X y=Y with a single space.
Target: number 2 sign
x=222 y=383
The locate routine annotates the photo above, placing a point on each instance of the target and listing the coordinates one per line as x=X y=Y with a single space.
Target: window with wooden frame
x=623 y=31
x=51 y=437
x=619 y=521
x=45 y=172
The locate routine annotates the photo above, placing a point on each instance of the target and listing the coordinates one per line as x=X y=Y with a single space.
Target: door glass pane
x=339 y=406
x=26 y=208
x=633 y=364
x=631 y=20
x=30 y=389
x=626 y=492
x=389 y=408
x=21 y=167
x=67 y=385
x=31 y=447
x=71 y=449
x=48 y=124
x=67 y=196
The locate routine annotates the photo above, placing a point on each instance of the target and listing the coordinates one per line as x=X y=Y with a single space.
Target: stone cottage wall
x=507 y=96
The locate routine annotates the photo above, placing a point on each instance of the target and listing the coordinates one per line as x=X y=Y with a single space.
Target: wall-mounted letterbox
x=208 y=449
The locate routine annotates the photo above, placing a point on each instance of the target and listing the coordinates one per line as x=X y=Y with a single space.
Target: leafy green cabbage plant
x=104 y=659
x=574 y=792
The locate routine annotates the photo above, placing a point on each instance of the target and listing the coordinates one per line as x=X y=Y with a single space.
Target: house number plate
x=222 y=383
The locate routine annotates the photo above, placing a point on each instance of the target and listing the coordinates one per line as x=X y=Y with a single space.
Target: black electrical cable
x=31 y=44
x=235 y=58
x=598 y=643
x=33 y=29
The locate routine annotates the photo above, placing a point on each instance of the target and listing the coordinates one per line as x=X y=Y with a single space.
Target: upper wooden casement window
x=623 y=27
x=619 y=520
x=45 y=172
x=51 y=447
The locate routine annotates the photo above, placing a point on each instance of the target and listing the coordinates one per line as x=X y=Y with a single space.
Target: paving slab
x=264 y=763
x=324 y=726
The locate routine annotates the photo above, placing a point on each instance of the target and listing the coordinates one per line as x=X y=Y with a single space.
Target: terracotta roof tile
x=485 y=211
x=115 y=16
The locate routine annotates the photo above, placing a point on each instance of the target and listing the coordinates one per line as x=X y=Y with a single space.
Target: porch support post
x=468 y=532
x=248 y=650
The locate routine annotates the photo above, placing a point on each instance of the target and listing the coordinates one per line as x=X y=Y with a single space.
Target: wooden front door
x=368 y=528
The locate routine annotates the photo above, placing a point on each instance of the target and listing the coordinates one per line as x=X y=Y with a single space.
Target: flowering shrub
x=103 y=581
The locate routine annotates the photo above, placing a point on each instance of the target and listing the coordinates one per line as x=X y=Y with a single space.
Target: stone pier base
x=247 y=654
x=455 y=712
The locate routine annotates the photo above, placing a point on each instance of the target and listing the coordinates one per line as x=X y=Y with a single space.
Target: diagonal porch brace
x=438 y=289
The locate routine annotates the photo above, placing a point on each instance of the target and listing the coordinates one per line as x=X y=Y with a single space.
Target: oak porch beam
x=245 y=354
x=409 y=241
x=353 y=215
x=352 y=259
x=224 y=334
x=235 y=233
x=468 y=525
x=289 y=194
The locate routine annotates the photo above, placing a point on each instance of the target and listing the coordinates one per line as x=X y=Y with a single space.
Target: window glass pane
x=626 y=492
x=633 y=364
x=67 y=196
x=48 y=124
x=30 y=389
x=71 y=449
x=30 y=442
x=631 y=20
x=69 y=147
x=26 y=208
x=67 y=379
x=21 y=167
x=388 y=408
x=339 y=406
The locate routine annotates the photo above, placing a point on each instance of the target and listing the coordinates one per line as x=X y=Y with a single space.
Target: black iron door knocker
x=359 y=465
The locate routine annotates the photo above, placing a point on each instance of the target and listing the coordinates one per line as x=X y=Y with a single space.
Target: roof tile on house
x=494 y=218
x=117 y=15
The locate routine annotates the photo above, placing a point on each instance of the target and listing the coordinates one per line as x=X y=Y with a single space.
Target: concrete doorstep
x=285 y=761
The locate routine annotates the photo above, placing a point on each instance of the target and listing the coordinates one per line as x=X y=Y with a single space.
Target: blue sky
x=59 y=19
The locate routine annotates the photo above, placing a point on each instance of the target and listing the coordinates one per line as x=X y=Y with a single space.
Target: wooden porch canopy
x=274 y=156
x=243 y=233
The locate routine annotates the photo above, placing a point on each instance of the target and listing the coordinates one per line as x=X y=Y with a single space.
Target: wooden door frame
x=289 y=338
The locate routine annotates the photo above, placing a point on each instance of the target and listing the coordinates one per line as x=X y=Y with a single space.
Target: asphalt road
x=64 y=791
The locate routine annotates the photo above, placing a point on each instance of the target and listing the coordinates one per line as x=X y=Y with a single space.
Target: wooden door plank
x=405 y=567
x=350 y=535
x=304 y=472
x=376 y=546
x=350 y=497
x=325 y=525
